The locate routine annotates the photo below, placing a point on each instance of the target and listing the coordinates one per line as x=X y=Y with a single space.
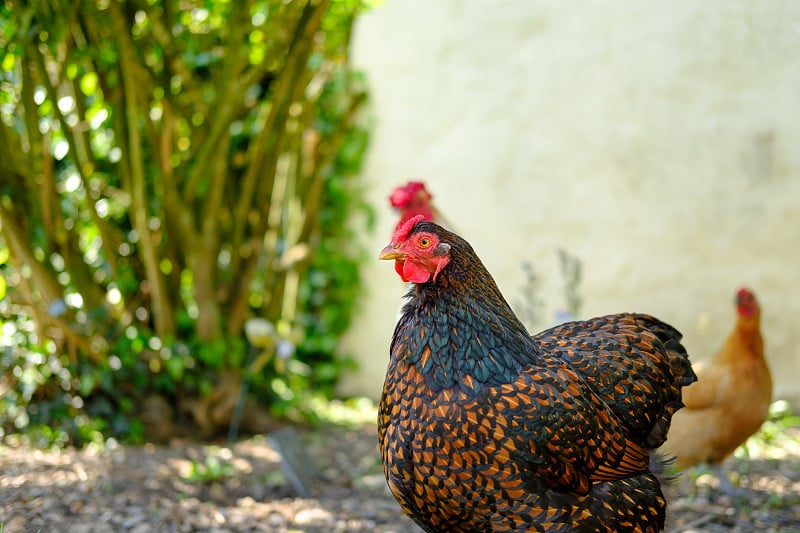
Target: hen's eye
x=424 y=242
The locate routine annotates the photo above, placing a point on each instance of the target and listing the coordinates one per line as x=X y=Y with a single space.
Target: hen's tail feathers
x=682 y=373
x=632 y=504
x=661 y=467
x=636 y=503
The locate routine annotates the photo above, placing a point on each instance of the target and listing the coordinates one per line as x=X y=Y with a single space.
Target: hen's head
x=412 y=199
x=419 y=252
x=746 y=303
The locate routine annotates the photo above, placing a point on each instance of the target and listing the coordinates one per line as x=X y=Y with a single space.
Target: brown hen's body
x=485 y=428
x=731 y=398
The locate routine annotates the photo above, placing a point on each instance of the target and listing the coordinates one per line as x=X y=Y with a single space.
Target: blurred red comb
x=403 y=194
x=743 y=290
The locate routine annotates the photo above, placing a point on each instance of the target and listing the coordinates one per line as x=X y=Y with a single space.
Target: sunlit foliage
x=169 y=170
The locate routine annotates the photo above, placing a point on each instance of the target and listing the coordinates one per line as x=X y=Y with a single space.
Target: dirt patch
x=241 y=488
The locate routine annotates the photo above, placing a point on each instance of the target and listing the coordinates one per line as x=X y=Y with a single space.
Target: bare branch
x=172 y=57
x=180 y=216
x=162 y=307
x=264 y=151
x=323 y=158
x=18 y=242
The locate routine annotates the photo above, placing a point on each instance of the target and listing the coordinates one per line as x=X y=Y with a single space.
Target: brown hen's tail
x=635 y=504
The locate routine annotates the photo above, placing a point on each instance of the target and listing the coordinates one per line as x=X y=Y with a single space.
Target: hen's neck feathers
x=749 y=323
x=743 y=343
x=748 y=335
x=459 y=330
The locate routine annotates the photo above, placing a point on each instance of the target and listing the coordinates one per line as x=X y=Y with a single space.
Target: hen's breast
x=448 y=457
x=492 y=461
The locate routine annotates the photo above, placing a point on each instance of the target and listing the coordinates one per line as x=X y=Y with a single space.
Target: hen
x=731 y=398
x=412 y=199
x=485 y=428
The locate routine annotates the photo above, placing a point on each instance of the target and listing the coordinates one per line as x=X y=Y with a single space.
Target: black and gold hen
x=485 y=428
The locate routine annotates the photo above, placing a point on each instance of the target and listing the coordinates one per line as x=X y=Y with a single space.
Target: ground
x=241 y=488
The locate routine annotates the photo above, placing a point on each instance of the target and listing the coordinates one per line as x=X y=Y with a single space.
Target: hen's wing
x=564 y=433
x=635 y=363
x=704 y=394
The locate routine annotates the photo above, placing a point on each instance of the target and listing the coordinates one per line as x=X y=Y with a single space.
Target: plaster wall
x=659 y=142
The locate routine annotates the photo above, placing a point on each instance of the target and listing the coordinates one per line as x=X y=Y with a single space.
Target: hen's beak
x=391 y=253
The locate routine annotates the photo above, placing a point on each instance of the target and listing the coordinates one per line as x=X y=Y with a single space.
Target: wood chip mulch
x=242 y=488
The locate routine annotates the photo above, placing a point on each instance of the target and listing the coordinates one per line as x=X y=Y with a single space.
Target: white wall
x=657 y=141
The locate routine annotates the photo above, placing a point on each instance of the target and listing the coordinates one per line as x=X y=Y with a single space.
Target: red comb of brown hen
x=412 y=199
x=402 y=196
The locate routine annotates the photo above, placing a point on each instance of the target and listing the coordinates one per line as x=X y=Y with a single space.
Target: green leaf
x=72 y=71
x=175 y=367
x=8 y=63
x=88 y=83
x=88 y=383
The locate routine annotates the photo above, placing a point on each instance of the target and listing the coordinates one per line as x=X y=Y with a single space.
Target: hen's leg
x=725 y=486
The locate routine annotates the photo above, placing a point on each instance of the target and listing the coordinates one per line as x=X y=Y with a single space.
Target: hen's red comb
x=405 y=228
x=402 y=195
x=742 y=291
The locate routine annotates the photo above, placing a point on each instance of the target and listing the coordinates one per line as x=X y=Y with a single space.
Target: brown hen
x=485 y=428
x=731 y=398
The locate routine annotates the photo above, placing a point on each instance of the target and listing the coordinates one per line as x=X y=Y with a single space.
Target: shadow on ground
x=238 y=488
